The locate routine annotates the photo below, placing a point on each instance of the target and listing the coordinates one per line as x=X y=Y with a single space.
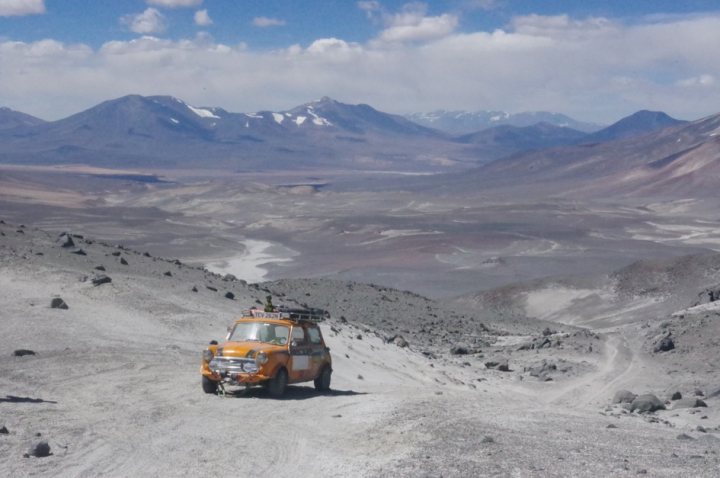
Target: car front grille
x=233 y=365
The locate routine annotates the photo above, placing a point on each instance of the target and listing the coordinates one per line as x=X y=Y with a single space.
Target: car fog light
x=261 y=358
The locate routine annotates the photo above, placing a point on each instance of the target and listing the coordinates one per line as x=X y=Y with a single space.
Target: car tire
x=209 y=386
x=322 y=382
x=277 y=384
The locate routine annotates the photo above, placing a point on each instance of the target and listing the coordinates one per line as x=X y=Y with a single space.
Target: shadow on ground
x=291 y=393
x=14 y=399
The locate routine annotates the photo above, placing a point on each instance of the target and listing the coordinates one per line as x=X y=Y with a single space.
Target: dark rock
x=692 y=402
x=541 y=369
x=676 y=396
x=194 y=289
x=684 y=436
x=358 y=336
x=487 y=439
x=211 y=288
x=611 y=426
x=100 y=268
x=58 y=303
x=123 y=261
x=701 y=429
x=548 y=331
x=624 y=396
x=23 y=352
x=4 y=430
x=360 y=377
x=65 y=241
x=40 y=450
x=20 y=231
x=459 y=350
x=646 y=403
x=229 y=295
x=343 y=320
x=664 y=345
x=116 y=253
x=167 y=273
x=100 y=280
x=146 y=254
x=80 y=252
x=229 y=278
x=700 y=393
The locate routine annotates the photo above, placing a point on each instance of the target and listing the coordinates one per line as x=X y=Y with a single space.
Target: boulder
x=664 y=345
x=229 y=295
x=459 y=350
x=65 y=241
x=167 y=273
x=4 y=430
x=624 y=396
x=503 y=366
x=123 y=261
x=229 y=278
x=100 y=280
x=400 y=342
x=40 y=450
x=116 y=253
x=548 y=331
x=23 y=352
x=646 y=403
x=692 y=402
x=58 y=303
x=676 y=396
x=194 y=289
x=100 y=268
x=541 y=369
x=80 y=252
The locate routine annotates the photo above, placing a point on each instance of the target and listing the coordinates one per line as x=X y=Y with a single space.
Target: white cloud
x=370 y=7
x=11 y=8
x=268 y=22
x=148 y=22
x=202 y=18
x=411 y=23
x=175 y=3
x=537 y=63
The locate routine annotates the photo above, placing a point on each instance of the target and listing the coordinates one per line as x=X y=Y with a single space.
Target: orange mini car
x=270 y=349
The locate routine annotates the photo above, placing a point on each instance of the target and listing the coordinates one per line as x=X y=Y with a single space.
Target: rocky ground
x=100 y=351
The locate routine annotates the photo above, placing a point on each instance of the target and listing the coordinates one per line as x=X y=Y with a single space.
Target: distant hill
x=463 y=122
x=513 y=138
x=12 y=119
x=682 y=160
x=638 y=123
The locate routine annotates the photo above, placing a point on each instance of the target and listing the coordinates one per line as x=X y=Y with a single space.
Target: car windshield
x=260 y=332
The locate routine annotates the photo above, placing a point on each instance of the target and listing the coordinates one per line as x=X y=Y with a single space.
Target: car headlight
x=207 y=355
x=261 y=358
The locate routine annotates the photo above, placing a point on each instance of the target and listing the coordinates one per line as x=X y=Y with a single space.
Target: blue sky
x=594 y=60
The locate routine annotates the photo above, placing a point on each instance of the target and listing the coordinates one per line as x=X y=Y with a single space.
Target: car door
x=299 y=355
x=317 y=350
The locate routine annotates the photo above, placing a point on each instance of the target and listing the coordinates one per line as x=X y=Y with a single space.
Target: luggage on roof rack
x=311 y=315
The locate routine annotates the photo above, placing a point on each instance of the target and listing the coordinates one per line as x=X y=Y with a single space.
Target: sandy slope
x=115 y=390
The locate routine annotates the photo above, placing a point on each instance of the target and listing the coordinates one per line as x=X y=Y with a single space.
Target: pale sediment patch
x=252 y=264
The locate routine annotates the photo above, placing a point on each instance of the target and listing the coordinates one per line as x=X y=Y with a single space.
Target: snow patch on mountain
x=278 y=118
x=202 y=112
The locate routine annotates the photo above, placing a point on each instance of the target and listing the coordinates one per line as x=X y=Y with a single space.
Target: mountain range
x=163 y=131
x=464 y=122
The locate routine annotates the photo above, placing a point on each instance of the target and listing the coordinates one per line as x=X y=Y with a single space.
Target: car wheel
x=277 y=384
x=322 y=383
x=209 y=386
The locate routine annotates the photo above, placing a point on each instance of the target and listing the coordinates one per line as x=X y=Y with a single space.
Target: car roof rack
x=297 y=315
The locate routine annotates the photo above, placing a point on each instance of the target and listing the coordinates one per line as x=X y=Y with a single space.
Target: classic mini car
x=270 y=349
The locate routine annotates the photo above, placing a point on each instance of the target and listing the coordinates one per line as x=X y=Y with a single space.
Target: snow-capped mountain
x=463 y=122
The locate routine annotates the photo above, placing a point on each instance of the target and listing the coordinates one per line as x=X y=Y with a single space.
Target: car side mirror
x=213 y=342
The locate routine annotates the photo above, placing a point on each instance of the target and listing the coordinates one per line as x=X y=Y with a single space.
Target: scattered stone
x=211 y=288
x=541 y=369
x=623 y=396
x=40 y=450
x=676 y=396
x=699 y=393
x=58 y=303
x=146 y=254
x=4 y=430
x=692 y=402
x=80 y=252
x=684 y=436
x=459 y=350
x=194 y=289
x=701 y=429
x=23 y=352
x=343 y=320
x=229 y=295
x=337 y=416
x=167 y=273
x=100 y=280
x=487 y=439
x=548 y=331
x=400 y=342
x=646 y=403
x=664 y=345
x=20 y=231
x=116 y=253
x=229 y=278
x=611 y=426
x=360 y=377
x=358 y=336
x=123 y=261
x=503 y=366
x=642 y=472
x=100 y=268
x=65 y=241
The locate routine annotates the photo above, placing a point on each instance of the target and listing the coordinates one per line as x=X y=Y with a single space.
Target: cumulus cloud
x=175 y=3
x=11 y=8
x=536 y=63
x=148 y=22
x=263 y=22
x=202 y=18
x=411 y=23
